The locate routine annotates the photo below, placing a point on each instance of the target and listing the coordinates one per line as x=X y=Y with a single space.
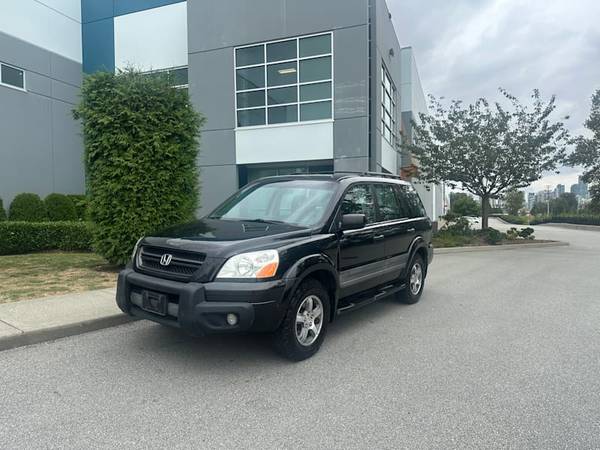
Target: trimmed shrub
x=59 y=207
x=27 y=207
x=26 y=237
x=2 y=211
x=80 y=202
x=141 y=147
x=493 y=236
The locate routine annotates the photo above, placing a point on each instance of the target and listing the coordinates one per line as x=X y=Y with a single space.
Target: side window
x=411 y=202
x=389 y=208
x=359 y=200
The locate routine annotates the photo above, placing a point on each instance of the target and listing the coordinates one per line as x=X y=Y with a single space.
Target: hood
x=222 y=238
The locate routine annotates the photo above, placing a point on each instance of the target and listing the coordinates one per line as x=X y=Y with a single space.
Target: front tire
x=305 y=323
x=415 y=281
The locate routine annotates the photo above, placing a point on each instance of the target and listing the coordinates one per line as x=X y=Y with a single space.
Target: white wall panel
x=297 y=142
x=389 y=157
x=152 y=39
x=52 y=24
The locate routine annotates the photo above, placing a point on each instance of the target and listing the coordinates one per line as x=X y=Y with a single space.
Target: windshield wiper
x=261 y=221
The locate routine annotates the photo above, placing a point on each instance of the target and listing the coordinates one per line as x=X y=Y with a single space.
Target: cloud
x=467 y=49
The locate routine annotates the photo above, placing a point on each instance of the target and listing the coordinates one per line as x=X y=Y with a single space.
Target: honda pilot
x=284 y=255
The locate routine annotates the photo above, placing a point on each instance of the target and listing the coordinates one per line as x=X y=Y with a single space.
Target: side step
x=367 y=300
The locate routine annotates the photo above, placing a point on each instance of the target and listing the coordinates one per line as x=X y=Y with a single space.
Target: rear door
x=418 y=223
x=362 y=255
x=395 y=226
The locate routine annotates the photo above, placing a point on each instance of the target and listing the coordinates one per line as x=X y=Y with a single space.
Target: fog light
x=232 y=319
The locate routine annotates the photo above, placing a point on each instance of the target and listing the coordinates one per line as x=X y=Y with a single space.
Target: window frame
x=298 y=84
x=392 y=93
x=172 y=69
x=22 y=89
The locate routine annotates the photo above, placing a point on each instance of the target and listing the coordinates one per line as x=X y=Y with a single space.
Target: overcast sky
x=466 y=49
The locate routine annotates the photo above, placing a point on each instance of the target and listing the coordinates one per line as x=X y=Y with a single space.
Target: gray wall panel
x=65 y=92
x=38 y=84
x=68 y=150
x=212 y=87
x=351 y=164
x=217 y=148
x=351 y=72
x=41 y=147
x=218 y=24
x=218 y=182
x=350 y=138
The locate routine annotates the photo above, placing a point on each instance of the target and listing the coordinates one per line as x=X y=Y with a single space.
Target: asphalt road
x=502 y=351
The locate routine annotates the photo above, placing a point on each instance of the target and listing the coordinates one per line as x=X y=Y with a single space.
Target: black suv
x=284 y=255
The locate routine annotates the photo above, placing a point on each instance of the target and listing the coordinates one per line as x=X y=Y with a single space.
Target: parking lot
x=502 y=351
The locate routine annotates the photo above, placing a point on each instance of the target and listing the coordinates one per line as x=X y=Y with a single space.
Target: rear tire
x=305 y=323
x=415 y=281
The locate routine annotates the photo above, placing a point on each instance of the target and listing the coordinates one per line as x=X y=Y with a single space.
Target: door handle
x=410 y=230
x=378 y=237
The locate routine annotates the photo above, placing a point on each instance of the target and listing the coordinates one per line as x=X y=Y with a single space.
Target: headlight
x=135 y=248
x=256 y=265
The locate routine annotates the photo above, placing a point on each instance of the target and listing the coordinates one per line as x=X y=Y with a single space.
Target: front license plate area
x=154 y=302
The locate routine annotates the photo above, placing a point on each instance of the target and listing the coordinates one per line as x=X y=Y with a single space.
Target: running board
x=386 y=291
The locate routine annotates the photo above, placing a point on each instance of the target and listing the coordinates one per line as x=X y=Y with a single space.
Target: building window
x=12 y=76
x=254 y=172
x=284 y=81
x=388 y=107
x=177 y=75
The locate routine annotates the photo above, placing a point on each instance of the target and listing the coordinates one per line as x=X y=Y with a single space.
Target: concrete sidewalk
x=33 y=321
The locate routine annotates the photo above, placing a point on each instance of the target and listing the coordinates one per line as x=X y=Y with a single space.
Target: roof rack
x=369 y=174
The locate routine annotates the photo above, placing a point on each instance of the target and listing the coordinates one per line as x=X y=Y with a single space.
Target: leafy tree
x=462 y=204
x=565 y=203
x=485 y=149
x=539 y=208
x=514 y=201
x=141 y=147
x=587 y=151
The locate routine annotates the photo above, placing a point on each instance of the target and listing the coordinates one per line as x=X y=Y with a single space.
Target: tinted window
x=410 y=201
x=12 y=76
x=359 y=200
x=387 y=203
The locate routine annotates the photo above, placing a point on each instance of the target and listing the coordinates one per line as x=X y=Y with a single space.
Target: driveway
x=502 y=351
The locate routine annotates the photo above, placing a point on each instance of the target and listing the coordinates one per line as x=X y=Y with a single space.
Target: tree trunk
x=485 y=203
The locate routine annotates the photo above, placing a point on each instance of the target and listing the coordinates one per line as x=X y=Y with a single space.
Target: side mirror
x=353 y=221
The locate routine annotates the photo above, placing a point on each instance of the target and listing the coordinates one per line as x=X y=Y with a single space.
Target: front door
x=362 y=255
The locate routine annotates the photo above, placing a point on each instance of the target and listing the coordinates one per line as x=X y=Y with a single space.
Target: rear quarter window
x=410 y=201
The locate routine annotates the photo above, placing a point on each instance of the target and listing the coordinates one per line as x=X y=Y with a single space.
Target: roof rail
x=369 y=174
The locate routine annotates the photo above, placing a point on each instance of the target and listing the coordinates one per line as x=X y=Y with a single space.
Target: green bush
x=492 y=236
x=2 y=211
x=141 y=148
x=526 y=233
x=26 y=237
x=27 y=207
x=59 y=207
x=517 y=220
x=80 y=202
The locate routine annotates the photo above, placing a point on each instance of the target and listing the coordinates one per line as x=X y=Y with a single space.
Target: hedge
x=517 y=220
x=27 y=207
x=59 y=207
x=141 y=148
x=80 y=202
x=26 y=237
x=580 y=219
x=2 y=212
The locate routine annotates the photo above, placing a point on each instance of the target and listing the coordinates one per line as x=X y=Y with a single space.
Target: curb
x=570 y=226
x=491 y=248
x=50 y=334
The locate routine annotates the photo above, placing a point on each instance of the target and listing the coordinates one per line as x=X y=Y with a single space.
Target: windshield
x=295 y=202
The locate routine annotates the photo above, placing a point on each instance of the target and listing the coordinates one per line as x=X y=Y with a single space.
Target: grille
x=183 y=264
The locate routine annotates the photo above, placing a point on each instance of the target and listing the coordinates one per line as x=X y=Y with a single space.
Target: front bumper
x=201 y=309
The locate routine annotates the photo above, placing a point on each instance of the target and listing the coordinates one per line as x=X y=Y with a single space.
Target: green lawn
x=42 y=274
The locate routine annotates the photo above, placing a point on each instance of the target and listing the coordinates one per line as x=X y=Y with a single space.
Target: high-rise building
x=559 y=190
x=530 y=200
